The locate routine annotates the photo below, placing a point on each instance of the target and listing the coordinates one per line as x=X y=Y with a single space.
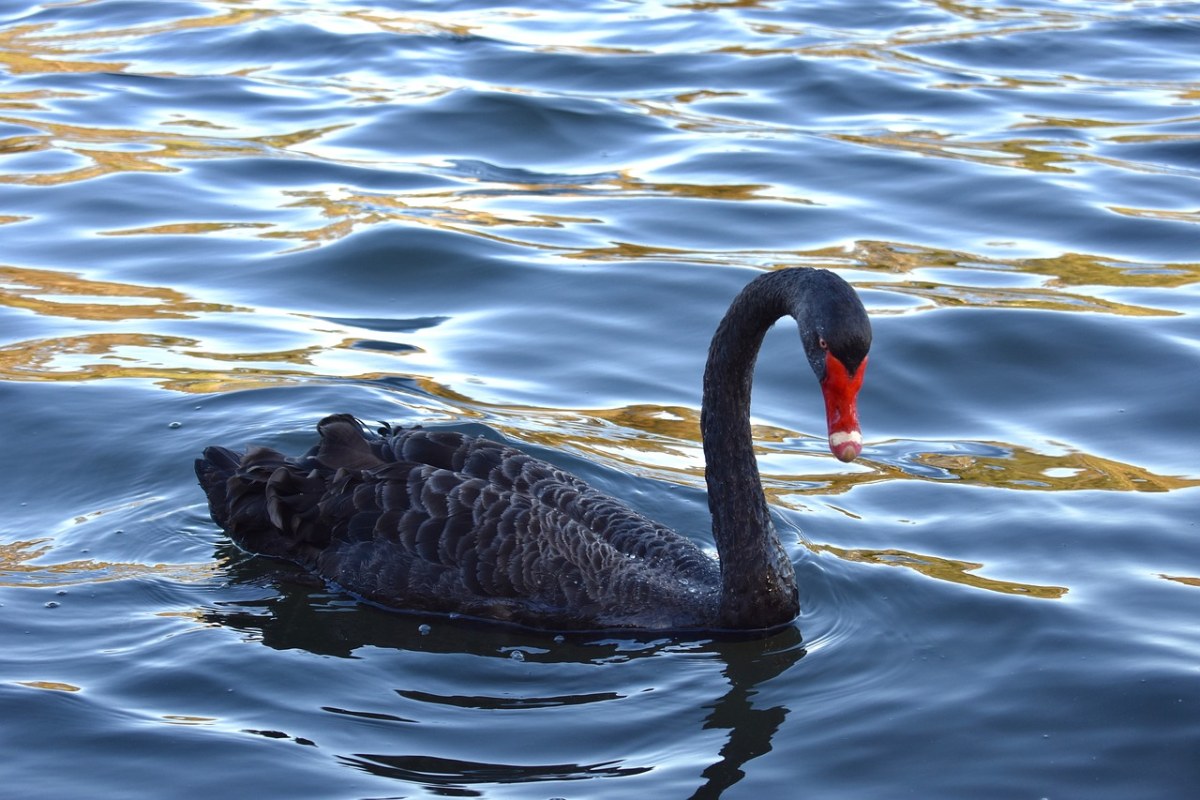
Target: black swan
x=430 y=520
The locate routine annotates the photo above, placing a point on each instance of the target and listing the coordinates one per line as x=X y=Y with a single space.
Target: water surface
x=221 y=220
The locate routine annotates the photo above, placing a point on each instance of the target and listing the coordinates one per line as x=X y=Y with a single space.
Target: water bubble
x=517 y=655
x=61 y=593
x=424 y=630
x=51 y=604
x=175 y=425
x=559 y=639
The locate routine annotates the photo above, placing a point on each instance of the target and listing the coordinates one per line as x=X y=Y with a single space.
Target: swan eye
x=823 y=344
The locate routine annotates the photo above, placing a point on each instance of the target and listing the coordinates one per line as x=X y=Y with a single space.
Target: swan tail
x=266 y=502
x=213 y=471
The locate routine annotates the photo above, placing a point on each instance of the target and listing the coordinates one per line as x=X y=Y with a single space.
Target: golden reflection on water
x=105 y=356
x=187 y=229
x=348 y=211
x=51 y=686
x=187 y=719
x=344 y=211
x=412 y=25
x=1036 y=155
x=125 y=354
x=630 y=437
x=1029 y=470
x=948 y=296
x=944 y=569
x=24 y=52
x=1029 y=154
x=1080 y=270
x=30 y=100
x=465 y=211
x=106 y=151
x=17 y=569
x=103 y=151
x=625 y=436
x=65 y=294
x=36 y=49
x=1054 y=273
x=1149 y=213
x=661 y=442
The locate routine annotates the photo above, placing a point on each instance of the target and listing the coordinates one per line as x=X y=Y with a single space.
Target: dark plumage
x=440 y=521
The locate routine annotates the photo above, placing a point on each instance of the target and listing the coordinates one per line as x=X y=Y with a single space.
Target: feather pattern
x=442 y=521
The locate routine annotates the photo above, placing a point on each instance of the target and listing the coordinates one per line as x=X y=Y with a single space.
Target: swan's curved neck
x=757 y=577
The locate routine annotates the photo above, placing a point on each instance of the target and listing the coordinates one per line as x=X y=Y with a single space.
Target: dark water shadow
x=301 y=612
x=449 y=777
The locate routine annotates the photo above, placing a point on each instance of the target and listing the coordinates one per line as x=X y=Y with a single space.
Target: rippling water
x=220 y=220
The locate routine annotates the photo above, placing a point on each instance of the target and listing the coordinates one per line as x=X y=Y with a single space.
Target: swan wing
x=442 y=521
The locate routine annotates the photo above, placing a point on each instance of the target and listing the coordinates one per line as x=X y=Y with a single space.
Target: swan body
x=440 y=521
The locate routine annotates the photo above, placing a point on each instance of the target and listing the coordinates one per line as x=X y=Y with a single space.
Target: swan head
x=837 y=338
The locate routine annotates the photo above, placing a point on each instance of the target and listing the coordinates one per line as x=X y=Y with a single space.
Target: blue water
x=221 y=220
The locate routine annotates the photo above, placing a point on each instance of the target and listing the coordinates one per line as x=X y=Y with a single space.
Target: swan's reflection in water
x=536 y=701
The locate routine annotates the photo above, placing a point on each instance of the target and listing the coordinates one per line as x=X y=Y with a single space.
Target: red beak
x=841 y=412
